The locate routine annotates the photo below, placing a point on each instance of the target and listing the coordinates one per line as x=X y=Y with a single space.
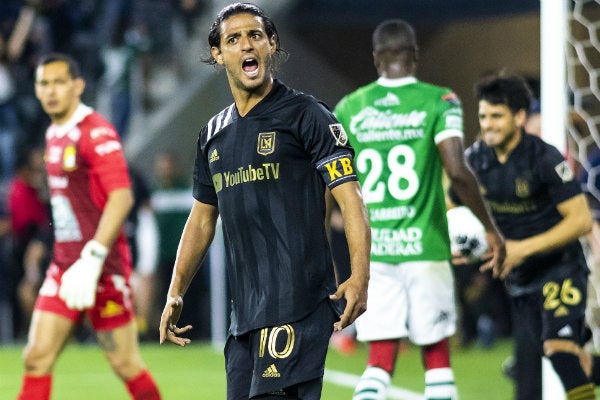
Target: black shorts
x=557 y=309
x=280 y=360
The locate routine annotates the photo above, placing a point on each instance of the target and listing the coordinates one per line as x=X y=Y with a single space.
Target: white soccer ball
x=467 y=233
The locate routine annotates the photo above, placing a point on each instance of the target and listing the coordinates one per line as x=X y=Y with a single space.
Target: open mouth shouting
x=250 y=67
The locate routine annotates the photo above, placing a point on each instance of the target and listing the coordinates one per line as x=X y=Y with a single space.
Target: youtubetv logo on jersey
x=396 y=242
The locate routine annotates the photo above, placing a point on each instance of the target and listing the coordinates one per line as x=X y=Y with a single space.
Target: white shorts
x=413 y=299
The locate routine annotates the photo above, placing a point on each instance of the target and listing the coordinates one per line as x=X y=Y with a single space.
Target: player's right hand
x=168 y=329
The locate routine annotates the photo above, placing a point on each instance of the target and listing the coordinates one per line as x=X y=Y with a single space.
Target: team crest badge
x=339 y=134
x=266 y=143
x=521 y=188
x=70 y=158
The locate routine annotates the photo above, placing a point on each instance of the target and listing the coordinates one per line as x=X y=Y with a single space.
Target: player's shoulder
x=95 y=126
x=438 y=93
x=219 y=121
x=538 y=148
x=359 y=93
x=479 y=154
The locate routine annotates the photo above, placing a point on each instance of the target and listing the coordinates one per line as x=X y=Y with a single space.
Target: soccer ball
x=467 y=233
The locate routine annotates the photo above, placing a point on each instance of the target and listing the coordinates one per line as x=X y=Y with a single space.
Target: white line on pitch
x=350 y=380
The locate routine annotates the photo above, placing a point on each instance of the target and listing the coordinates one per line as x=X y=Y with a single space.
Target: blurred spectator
x=31 y=234
x=6 y=320
x=172 y=200
x=142 y=233
x=9 y=127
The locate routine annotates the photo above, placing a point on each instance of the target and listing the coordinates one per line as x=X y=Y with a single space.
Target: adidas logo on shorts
x=271 y=372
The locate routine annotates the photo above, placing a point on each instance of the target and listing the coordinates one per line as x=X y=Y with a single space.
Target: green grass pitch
x=197 y=372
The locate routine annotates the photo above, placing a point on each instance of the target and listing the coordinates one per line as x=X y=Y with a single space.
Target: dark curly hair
x=509 y=90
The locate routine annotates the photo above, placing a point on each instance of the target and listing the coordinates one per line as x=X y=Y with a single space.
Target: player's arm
x=79 y=283
x=464 y=184
x=196 y=238
x=358 y=236
x=576 y=222
x=118 y=205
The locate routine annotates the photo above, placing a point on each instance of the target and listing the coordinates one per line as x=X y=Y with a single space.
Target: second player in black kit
x=539 y=207
x=263 y=165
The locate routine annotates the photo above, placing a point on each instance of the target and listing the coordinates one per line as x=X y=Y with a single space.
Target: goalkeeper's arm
x=79 y=282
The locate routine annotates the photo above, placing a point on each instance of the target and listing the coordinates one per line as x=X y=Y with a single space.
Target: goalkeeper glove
x=79 y=282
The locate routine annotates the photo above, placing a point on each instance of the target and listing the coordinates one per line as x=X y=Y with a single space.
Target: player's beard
x=251 y=85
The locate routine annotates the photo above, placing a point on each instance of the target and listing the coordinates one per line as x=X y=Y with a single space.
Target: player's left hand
x=168 y=322
x=354 y=290
x=495 y=256
x=79 y=282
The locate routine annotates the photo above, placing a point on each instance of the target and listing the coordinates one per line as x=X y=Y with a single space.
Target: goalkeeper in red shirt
x=90 y=195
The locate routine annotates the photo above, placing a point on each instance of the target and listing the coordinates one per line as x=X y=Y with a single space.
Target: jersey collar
x=61 y=130
x=387 y=82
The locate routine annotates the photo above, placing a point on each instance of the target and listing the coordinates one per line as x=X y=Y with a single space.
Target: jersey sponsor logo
x=66 y=225
x=396 y=242
x=108 y=147
x=389 y=100
x=564 y=171
x=246 y=174
x=372 y=125
x=522 y=188
x=102 y=131
x=266 y=143
x=522 y=207
x=214 y=156
x=70 y=158
x=339 y=168
x=111 y=309
x=271 y=372
x=58 y=182
x=339 y=134
x=54 y=154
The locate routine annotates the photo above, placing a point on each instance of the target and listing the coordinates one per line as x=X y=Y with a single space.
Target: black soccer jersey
x=266 y=172
x=523 y=194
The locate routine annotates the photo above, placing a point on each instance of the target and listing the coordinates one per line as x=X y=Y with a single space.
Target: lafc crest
x=522 y=188
x=266 y=143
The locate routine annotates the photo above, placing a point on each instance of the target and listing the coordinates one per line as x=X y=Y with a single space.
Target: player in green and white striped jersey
x=406 y=133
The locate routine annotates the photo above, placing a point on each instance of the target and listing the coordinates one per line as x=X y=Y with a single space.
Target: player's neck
x=246 y=99
x=396 y=70
x=504 y=150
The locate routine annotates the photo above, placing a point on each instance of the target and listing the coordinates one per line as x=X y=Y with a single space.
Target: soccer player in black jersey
x=262 y=166
x=539 y=207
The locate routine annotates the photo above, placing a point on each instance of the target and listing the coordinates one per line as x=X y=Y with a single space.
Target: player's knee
x=36 y=361
x=125 y=366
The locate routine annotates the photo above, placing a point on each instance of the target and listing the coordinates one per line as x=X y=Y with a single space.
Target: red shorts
x=113 y=308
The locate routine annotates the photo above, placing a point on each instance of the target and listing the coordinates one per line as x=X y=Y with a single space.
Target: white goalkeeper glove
x=79 y=282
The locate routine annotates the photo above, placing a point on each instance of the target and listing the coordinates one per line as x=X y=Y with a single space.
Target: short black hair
x=214 y=36
x=394 y=35
x=510 y=90
x=73 y=66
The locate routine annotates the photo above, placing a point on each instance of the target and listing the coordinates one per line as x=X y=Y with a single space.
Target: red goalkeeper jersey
x=85 y=162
